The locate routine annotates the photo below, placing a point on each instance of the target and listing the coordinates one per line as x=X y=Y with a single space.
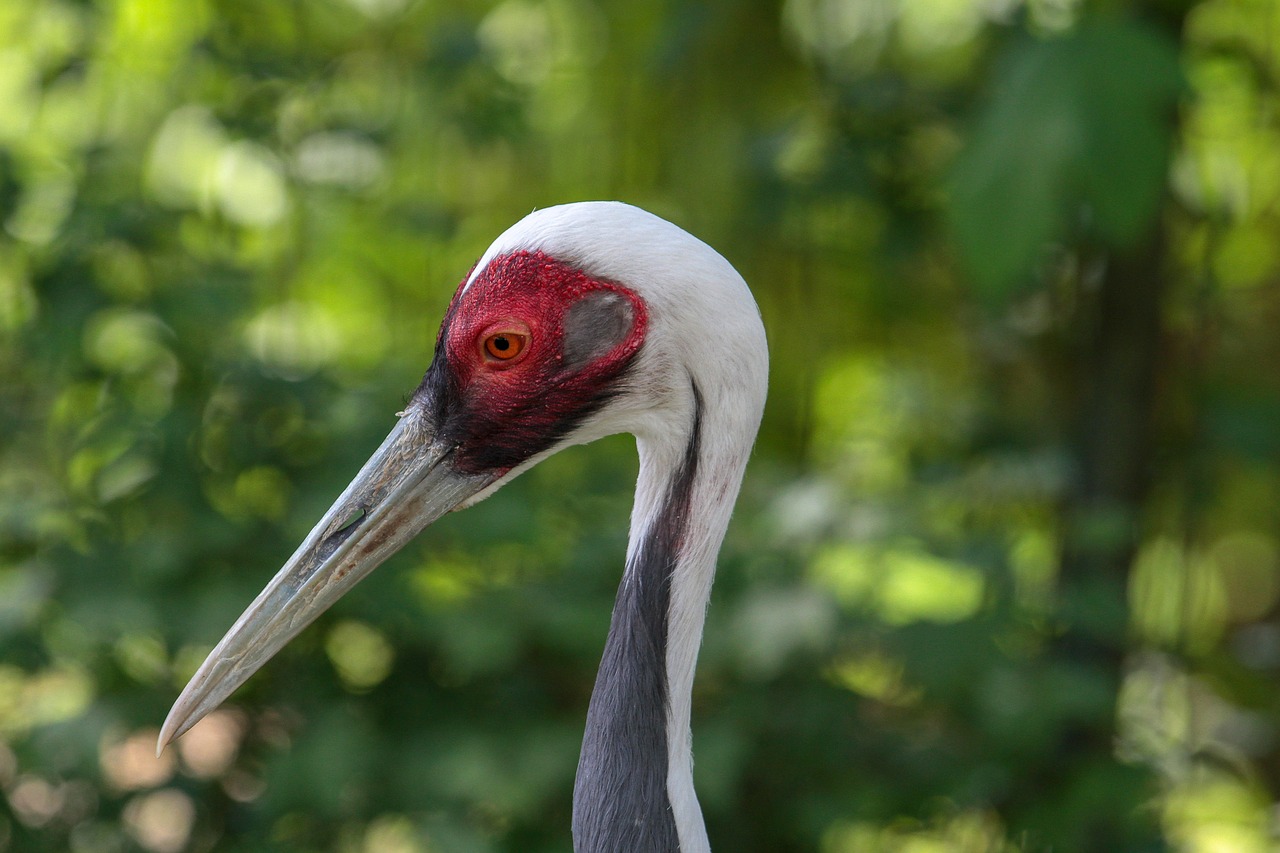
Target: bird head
x=580 y=321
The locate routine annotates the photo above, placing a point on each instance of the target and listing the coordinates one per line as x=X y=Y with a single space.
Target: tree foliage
x=1005 y=574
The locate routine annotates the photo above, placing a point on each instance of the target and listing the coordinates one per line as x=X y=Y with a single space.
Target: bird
x=580 y=321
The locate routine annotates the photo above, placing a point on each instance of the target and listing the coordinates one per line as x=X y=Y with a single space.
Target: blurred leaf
x=1079 y=120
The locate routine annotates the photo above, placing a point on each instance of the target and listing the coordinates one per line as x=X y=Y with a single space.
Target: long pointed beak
x=407 y=484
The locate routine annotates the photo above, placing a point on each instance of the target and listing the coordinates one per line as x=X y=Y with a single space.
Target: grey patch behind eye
x=595 y=324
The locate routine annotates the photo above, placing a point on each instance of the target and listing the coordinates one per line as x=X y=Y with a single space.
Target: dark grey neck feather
x=620 y=801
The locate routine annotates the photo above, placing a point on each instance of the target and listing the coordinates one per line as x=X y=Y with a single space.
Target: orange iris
x=505 y=346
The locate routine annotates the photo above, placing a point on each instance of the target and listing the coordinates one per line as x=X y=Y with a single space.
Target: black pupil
x=501 y=344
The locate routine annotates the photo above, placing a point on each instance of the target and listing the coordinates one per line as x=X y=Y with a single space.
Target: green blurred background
x=1005 y=571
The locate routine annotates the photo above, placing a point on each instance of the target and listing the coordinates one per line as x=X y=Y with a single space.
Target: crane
x=580 y=321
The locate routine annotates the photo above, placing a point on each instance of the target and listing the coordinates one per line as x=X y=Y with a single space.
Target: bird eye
x=504 y=346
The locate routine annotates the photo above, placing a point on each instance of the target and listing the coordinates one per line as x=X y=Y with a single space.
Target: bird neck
x=634 y=789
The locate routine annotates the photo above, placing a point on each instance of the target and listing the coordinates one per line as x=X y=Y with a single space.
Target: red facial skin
x=497 y=412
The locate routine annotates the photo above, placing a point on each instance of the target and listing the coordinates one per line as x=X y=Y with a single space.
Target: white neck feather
x=727 y=432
